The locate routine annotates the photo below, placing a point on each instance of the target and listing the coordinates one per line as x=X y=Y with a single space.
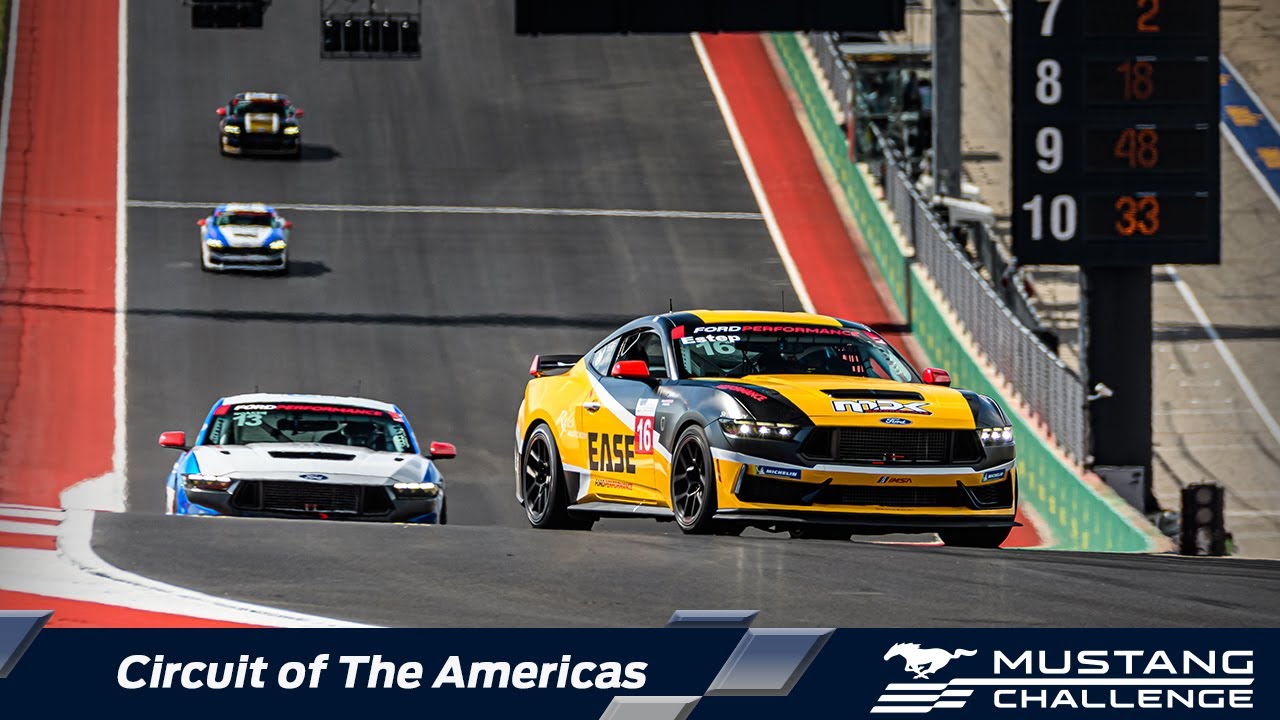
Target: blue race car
x=244 y=236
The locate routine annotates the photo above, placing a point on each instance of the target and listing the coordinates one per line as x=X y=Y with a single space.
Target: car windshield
x=307 y=423
x=740 y=350
x=257 y=219
x=241 y=109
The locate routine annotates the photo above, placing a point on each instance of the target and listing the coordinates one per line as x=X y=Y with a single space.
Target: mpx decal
x=880 y=406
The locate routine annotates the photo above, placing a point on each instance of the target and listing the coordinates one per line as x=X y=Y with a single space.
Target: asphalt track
x=441 y=312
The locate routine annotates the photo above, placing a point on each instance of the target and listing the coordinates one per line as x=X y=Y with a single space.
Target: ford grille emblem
x=895 y=421
x=314 y=476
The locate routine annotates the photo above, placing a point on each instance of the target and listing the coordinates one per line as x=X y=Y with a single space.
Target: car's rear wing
x=551 y=364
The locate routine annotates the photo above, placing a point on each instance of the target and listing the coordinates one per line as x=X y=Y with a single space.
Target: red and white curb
x=48 y=552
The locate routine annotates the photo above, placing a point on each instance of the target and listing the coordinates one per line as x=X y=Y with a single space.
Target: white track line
x=467 y=210
x=1004 y=11
x=1189 y=296
x=757 y=189
x=119 y=455
x=11 y=53
x=31 y=511
x=27 y=528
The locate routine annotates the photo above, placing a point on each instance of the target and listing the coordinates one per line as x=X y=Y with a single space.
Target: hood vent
x=309 y=455
x=849 y=394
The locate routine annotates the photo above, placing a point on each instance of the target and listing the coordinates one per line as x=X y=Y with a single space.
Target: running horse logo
x=924 y=661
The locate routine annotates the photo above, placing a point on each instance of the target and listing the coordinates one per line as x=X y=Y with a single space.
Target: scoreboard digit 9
x=1115 y=140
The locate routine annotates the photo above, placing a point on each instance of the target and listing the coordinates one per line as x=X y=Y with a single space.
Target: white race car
x=244 y=236
x=306 y=456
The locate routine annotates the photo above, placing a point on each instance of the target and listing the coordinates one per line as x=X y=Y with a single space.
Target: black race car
x=262 y=123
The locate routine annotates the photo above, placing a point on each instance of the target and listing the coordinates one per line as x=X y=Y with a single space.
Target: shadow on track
x=597 y=322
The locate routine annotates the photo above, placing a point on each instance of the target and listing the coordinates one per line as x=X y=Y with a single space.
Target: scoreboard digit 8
x=1115 y=141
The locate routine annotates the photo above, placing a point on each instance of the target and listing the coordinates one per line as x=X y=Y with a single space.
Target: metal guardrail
x=1048 y=386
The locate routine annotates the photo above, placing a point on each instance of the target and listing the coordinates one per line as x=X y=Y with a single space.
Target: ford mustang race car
x=782 y=421
x=262 y=123
x=244 y=236
x=306 y=456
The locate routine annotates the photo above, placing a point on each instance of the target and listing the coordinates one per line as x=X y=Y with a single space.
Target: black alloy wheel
x=693 y=483
x=542 y=485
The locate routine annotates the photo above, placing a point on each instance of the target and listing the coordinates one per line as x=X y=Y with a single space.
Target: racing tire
x=693 y=484
x=444 y=513
x=820 y=532
x=546 y=495
x=975 y=537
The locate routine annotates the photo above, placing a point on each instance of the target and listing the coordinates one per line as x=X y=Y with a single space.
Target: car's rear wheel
x=975 y=537
x=546 y=496
x=693 y=483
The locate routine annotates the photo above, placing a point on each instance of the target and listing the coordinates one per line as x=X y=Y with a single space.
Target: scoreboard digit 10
x=1115 y=132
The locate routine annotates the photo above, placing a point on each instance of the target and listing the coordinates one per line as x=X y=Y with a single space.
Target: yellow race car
x=789 y=422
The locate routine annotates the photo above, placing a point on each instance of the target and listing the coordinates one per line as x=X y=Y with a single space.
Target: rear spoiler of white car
x=552 y=364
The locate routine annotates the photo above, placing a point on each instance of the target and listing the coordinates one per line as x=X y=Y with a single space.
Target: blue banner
x=705 y=671
x=1252 y=129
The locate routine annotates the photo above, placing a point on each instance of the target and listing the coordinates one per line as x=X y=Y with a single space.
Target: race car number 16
x=645 y=411
x=644 y=435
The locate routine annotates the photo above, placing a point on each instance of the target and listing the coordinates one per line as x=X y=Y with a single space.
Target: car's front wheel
x=546 y=496
x=693 y=483
x=975 y=537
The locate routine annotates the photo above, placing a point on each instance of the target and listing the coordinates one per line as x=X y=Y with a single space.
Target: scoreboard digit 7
x=1115 y=140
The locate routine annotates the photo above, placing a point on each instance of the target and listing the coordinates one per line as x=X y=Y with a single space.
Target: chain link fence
x=1052 y=390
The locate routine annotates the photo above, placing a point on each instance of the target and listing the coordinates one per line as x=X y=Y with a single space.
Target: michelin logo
x=766 y=471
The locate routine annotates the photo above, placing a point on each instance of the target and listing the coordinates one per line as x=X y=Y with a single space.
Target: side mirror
x=630 y=370
x=222 y=111
x=288 y=224
x=298 y=112
x=174 y=439
x=441 y=450
x=936 y=376
x=201 y=221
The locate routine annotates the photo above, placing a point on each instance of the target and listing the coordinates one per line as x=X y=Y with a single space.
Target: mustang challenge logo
x=1090 y=679
x=924 y=661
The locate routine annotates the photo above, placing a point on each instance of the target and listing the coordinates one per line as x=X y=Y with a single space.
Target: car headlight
x=196 y=481
x=213 y=243
x=416 y=489
x=278 y=245
x=231 y=129
x=292 y=130
x=996 y=436
x=756 y=430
